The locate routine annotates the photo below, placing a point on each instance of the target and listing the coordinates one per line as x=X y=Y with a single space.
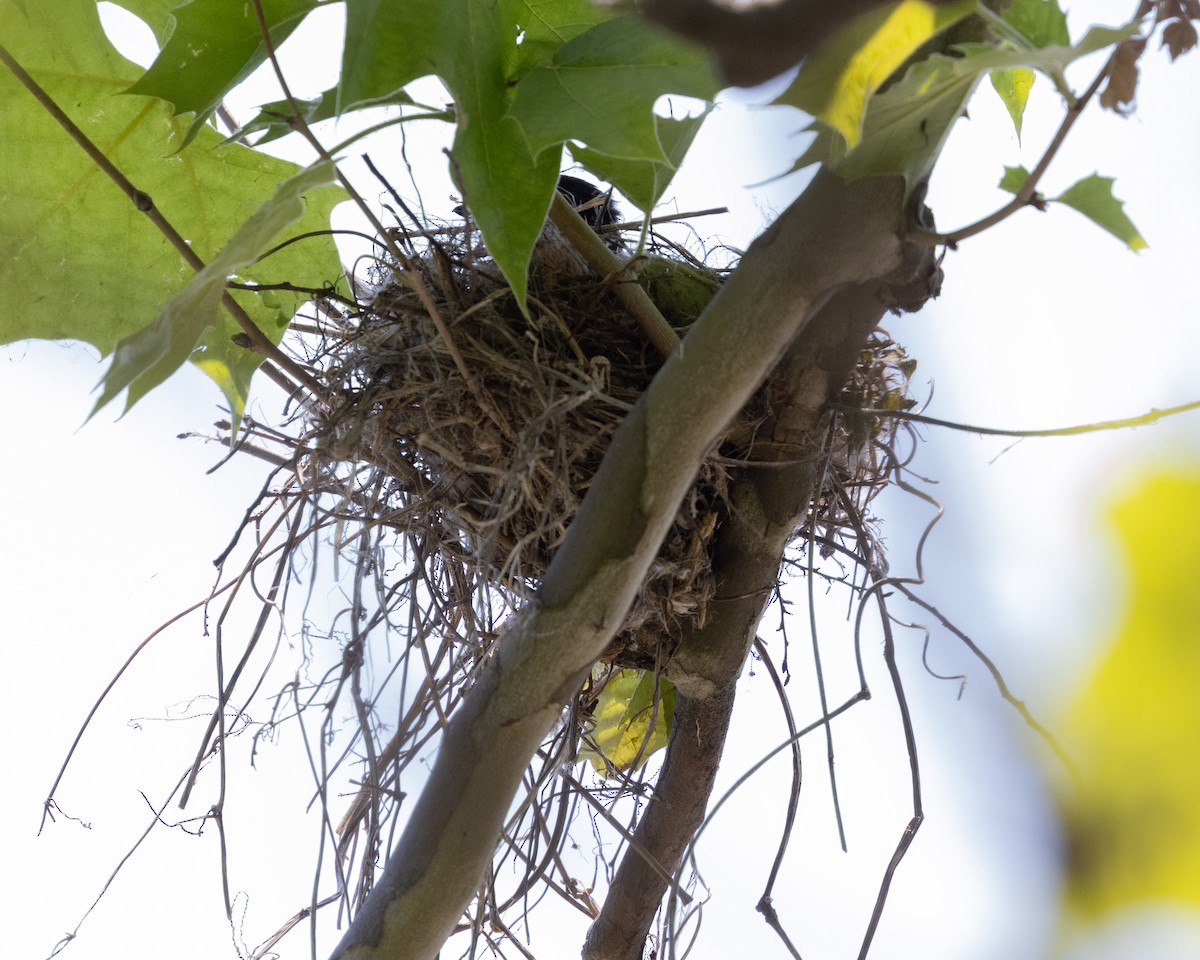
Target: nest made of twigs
x=482 y=426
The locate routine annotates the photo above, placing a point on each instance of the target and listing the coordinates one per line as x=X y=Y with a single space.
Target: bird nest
x=474 y=428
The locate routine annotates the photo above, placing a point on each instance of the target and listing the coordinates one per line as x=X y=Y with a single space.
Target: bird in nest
x=554 y=259
x=597 y=207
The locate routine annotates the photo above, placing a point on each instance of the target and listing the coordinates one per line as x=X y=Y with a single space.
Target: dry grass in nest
x=484 y=472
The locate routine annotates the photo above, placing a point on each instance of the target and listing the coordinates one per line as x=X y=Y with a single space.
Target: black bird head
x=600 y=210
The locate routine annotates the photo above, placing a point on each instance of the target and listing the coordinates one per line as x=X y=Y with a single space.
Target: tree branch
x=836 y=234
x=767 y=503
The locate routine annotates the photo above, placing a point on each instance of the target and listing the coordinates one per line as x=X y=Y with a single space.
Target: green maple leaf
x=211 y=48
x=472 y=46
x=602 y=85
x=79 y=260
x=1093 y=197
x=512 y=66
x=644 y=181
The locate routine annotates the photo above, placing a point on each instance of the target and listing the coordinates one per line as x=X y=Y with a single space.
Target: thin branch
x=1151 y=416
x=818 y=670
x=910 y=742
x=1028 y=194
x=605 y=262
x=410 y=276
x=765 y=905
x=1015 y=702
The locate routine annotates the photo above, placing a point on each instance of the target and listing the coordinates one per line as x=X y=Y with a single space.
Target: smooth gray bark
x=834 y=235
x=769 y=500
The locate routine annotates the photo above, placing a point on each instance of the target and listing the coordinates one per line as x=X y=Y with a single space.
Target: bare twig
x=605 y=262
x=1151 y=416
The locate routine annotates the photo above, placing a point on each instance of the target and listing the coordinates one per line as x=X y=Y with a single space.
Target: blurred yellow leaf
x=1133 y=821
x=835 y=83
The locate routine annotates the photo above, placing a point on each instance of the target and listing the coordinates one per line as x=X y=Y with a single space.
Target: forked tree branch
x=768 y=502
x=835 y=235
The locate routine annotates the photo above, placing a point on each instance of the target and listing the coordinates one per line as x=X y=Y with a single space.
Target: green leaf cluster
x=526 y=78
x=886 y=93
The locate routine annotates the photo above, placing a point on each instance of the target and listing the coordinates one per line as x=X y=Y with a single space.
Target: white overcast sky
x=110 y=528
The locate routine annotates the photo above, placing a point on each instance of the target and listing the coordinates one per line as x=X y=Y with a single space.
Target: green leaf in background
x=1013 y=86
x=274 y=119
x=213 y=47
x=1133 y=817
x=1093 y=197
x=1014 y=179
x=144 y=359
x=1030 y=24
x=526 y=77
x=644 y=181
x=602 y=85
x=836 y=82
x=87 y=265
x=629 y=725
x=1040 y=23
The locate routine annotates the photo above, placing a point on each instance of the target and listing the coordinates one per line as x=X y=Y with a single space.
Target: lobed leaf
x=1178 y=37
x=211 y=48
x=472 y=45
x=274 y=120
x=89 y=265
x=602 y=85
x=1093 y=197
x=1014 y=179
x=145 y=358
x=644 y=181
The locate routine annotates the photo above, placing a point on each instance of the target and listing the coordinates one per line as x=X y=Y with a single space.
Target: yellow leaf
x=630 y=723
x=1133 y=821
x=835 y=83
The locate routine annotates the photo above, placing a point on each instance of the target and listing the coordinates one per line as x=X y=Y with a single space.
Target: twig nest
x=474 y=429
x=480 y=444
